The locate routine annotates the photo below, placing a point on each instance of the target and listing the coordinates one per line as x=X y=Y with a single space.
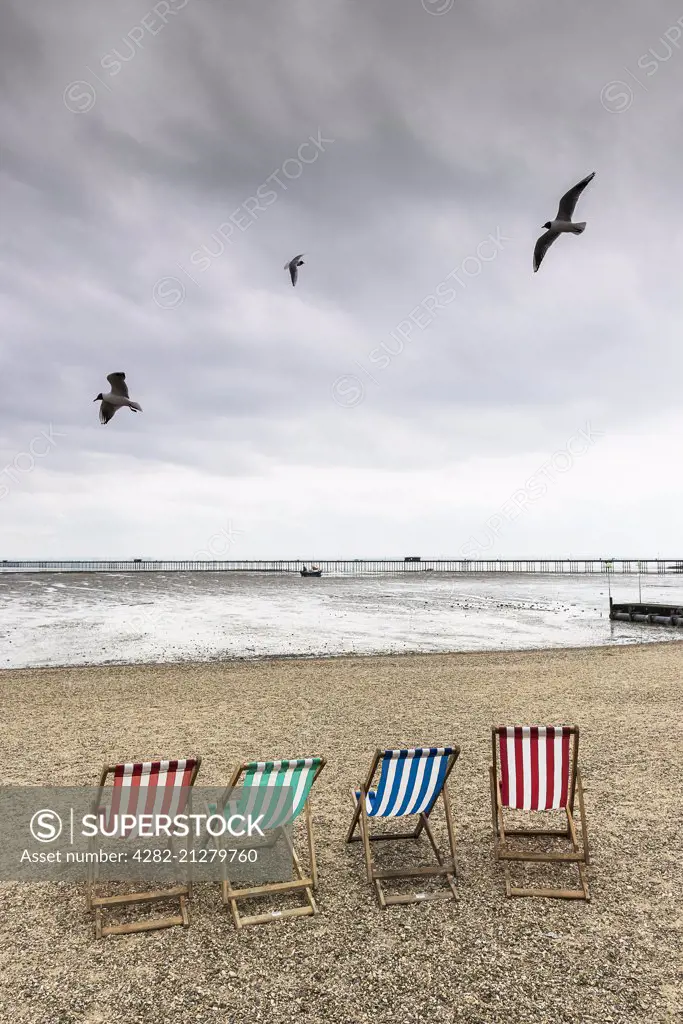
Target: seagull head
x=546 y=225
x=100 y=398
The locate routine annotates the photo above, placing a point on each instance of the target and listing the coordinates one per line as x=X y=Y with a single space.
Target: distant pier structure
x=366 y=566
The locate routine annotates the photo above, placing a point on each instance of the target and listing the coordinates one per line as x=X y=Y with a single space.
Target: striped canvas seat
x=274 y=794
x=148 y=787
x=141 y=788
x=277 y=790
x=534 y=767
x=410 y=782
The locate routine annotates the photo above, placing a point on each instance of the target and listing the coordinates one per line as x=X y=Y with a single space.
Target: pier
x=366 y=566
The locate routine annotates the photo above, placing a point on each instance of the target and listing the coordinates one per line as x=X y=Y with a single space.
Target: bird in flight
x=563 y=221
x=117 y=397
x=293 y=267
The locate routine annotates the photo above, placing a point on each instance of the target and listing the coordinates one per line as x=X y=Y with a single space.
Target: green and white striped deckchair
x=276 y=793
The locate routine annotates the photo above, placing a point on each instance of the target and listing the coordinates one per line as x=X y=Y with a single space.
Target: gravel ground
x=481 y=958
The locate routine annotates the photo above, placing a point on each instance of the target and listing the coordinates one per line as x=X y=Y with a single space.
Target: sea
x=91 y=618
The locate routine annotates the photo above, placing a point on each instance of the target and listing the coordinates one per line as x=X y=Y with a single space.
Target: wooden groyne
x=363 y=566
x=652 y=614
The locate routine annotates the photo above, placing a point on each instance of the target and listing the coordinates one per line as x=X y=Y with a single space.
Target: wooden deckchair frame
x=98 y=903
x=307 y=882
x=445 y=868
x=503 y=852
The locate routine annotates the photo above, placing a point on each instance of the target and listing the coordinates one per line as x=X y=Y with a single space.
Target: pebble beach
x=479 y=958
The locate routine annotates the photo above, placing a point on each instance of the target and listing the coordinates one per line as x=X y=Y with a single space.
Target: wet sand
x=58 y=619
x=480 y=958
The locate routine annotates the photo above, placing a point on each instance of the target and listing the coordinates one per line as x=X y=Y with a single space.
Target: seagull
x=293 y=266
x=562 y=222
x=117 y=397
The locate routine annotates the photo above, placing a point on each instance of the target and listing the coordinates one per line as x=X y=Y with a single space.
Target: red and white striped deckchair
x=535 y=769
x=146 y=787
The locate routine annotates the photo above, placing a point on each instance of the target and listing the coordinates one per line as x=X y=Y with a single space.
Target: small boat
x=315 y=570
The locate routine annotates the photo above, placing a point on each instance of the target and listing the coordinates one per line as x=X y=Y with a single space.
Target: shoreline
x=345 y=655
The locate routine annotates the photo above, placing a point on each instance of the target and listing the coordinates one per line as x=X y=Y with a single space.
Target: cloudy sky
x=421 y=390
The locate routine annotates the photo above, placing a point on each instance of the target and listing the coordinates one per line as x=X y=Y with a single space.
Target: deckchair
x=144 y=787
x=260 y=785
x=535 y=768
x=410 y=783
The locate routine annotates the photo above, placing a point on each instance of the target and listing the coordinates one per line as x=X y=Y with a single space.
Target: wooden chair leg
x=296 y=864
x=432 y=840
x=354 y=821
x=311 y=843
x=582 y=812
x=449 y=825
x=229 y=899
x=575 y=843
x=451 y=838
x=449 y=875
x=365 y=833
x=494 y=808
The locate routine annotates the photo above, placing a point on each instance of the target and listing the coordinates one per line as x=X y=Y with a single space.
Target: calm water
x=100 y=618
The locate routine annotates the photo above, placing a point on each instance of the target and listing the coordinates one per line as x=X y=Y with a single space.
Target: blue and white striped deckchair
x=275 y=793
x=410 y=783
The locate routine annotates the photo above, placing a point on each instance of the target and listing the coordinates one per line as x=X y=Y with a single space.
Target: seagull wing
x=542 y=246
x=292 y=267
x=118 y=384
x=570 y=199
x=106 y=412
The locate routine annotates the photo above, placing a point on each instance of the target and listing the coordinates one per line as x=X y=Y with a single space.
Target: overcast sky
x=421 y=390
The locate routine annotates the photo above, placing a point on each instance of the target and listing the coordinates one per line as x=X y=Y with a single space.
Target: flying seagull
x=117 y=397
x=562 y=222
x=293 y=267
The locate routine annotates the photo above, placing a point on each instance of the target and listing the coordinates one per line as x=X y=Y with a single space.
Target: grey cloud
x=446 y=129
